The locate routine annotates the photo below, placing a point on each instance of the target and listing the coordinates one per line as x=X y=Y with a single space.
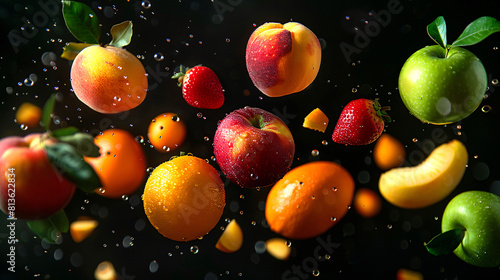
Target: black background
x=369 y=248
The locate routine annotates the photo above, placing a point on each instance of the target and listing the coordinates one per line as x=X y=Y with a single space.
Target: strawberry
x=360 y=123
x=200 y=87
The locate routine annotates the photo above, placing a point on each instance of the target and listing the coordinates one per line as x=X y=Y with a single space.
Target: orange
x=389 y=152
x=121 y=167
x=82 y=228
x=166 y=132
x=309 y=200
x=28 y=114
x=184 y=198
x=316 y=120
x=231 y=239
x=406 y=274
x=367 y=203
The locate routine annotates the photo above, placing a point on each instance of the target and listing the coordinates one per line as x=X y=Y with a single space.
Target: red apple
x=253 y=147
x=30 y=188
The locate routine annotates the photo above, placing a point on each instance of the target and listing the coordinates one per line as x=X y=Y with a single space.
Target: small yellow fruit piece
x=231 y=239
x=28 y=114
x=389 y=152
x=82 y=228
x=406 y=274
x=278 y=248
x=105 y=271
x=429 y=182
x=316 y=120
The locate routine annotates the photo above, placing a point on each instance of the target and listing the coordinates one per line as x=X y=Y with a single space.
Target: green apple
x=442 y=86
x=471 y=221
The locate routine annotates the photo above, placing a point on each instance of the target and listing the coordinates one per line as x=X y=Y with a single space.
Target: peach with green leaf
x=107 y=78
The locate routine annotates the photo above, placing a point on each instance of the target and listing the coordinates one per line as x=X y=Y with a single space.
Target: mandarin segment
x=388 y=152
x=316 y=120
x=278 y=248
x=231 y=239
x=184 y=198
x=108 y=79
x=82 y=228
x=429 y=182
x=309 y=200
x=282 y=59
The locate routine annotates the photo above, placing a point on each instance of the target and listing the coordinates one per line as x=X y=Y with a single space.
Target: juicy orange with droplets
x=184 y=198
x=309 y=200
x=121 y=167
x=166 y=132
x=389 y=152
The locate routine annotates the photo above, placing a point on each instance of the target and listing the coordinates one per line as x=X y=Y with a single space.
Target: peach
x=30 y=188
x=108 y=79
x=282 y=58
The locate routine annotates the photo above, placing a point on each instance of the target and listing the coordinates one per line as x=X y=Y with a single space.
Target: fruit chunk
x=278 y=248
x=367 y=203
x=309 y=200
x=105 y=271
x=28 y=114
x=406 y=274
x=231 y=239
x=389 y=152
x=108 y=79
x=82 y=228
x=429 y=182
x=282 y=58
x=316 y=120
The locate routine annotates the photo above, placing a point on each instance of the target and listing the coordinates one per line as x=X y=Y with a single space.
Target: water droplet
x=254 y=223
x=334 y=189
x=333 y=219
x=199 y=115
x=315 y=272
x=486 y=109
x=28 y=82
x=324 y=143
x=347 y=17
x=494 y=82
x=314 y=153
x=228 y=40
x=288 y=243
x=146 y=4
x=159 y=56
x=124 y=197
x=153 y=266
x=254 y=176
x=206 y=139
x=23 y=127
x=176 y=118
x=415 y=140
x=354 y=90
x=194 y=249
x=389 y=226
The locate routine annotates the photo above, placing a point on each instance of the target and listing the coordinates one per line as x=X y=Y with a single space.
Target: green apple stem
x=446 y=242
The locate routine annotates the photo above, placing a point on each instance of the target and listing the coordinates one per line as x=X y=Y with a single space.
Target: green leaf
x=437 y=31
x=48 y=108
x=446 y=242
x=83 y=142
x=71 y=50
x=48 y=228
x=122 y=34
x=477 y=31
x=70 y=163
x=64 y=132
x=81 y=21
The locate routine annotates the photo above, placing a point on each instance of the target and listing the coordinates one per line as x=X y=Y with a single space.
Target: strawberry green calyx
x=382 y=111
x=179 y=76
